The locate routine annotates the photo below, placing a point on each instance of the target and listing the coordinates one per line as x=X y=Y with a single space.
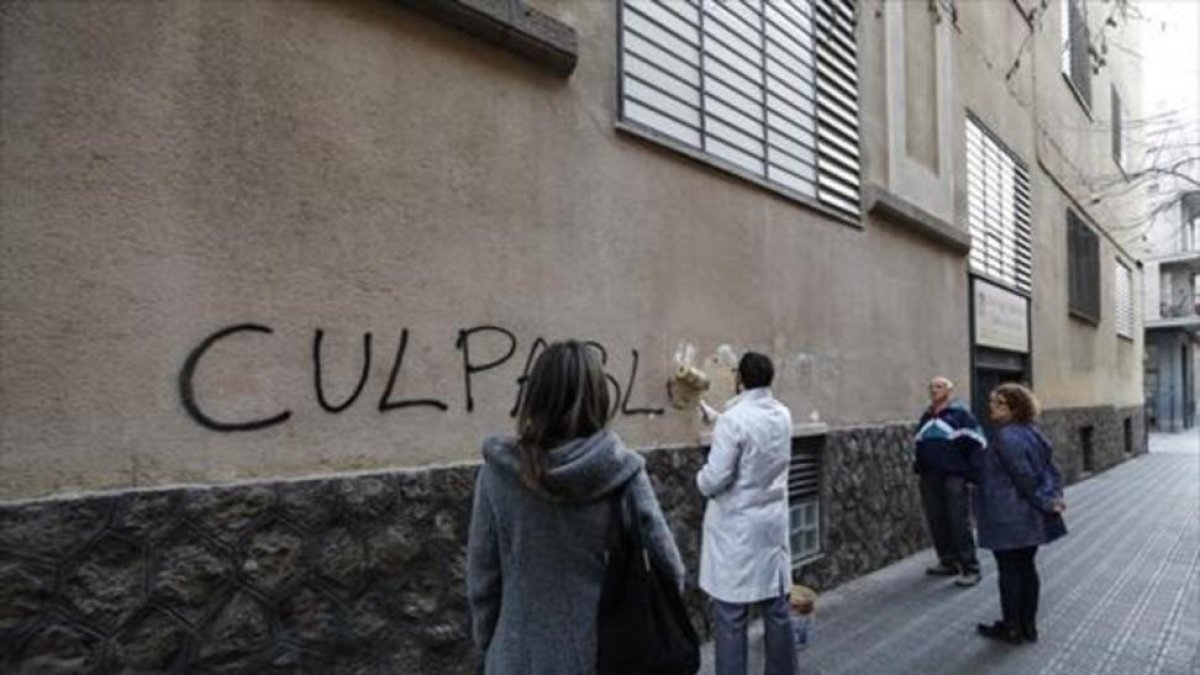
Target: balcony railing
x=1182 y=307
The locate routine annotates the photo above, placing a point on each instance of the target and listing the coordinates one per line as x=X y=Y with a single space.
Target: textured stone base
x=356 y=574
x=1111 y=442
x=365 y=573
x=871 y=503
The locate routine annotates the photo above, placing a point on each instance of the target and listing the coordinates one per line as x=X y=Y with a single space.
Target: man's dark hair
x=756 y=370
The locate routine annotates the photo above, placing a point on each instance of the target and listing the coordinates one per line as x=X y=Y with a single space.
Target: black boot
x=1000 y=631
x=1029 y=633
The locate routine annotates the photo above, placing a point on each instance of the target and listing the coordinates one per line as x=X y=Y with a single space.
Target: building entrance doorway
x=1000 y=343
x=993 y=368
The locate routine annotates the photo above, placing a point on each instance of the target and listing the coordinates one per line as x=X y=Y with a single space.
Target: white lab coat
x=746 y=553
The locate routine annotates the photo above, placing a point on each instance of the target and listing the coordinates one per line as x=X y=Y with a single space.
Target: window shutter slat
x=768 y=90
x=997 y=211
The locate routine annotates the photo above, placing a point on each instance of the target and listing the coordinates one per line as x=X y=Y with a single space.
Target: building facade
x=1171 y=243
x=1173 y=319
x=275 y=269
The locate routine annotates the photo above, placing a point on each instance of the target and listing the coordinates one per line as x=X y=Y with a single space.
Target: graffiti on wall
x=472 y=365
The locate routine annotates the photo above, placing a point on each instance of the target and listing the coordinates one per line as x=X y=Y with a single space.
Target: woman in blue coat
x=1019 y=507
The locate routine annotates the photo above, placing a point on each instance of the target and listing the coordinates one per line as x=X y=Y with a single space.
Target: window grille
x=1083 y=268
x=997 y=211
x=768 y=90
x=1076 y=62
x=1124 y=300
x=804 y=500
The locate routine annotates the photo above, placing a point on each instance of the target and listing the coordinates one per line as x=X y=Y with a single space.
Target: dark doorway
x=1128 y=436
x=1189 y=404
x=993 y=368
x=1152 y=399
x=1087 y=448
x=985 y=382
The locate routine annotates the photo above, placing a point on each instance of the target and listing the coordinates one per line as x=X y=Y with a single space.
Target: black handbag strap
x=624 y=519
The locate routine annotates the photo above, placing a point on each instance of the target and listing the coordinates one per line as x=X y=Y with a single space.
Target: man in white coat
x=745 y=558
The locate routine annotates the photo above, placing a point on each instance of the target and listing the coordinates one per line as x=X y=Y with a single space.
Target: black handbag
x=642 y=624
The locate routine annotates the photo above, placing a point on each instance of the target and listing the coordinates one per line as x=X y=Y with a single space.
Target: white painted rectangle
x=1001 y=318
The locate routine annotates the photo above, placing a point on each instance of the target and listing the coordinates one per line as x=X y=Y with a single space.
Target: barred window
x=1083 y=269
x=804 y=499
x=1076 y=63
x=1124 y=300
x=997 y=211
x=766 y=90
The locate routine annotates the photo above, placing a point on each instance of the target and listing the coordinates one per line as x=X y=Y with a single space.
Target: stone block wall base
x=871 y=504
x=1090 y=440
x=357 y=574
x=366 y=573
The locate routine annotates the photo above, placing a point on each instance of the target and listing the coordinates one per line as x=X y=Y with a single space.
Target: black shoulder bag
x=642 y=624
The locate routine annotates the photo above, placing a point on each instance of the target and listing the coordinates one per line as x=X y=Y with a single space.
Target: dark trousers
x=1019 y=587
x=947 y=510
x=730 y=621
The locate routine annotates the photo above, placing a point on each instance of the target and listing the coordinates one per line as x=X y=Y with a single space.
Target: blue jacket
x=1018 y=486
x=949 y=442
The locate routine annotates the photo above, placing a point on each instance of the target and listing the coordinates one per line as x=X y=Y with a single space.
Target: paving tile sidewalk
x=1120 y=594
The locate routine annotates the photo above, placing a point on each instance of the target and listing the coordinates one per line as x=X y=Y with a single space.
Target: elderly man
x=745 y=557
x=948 y=445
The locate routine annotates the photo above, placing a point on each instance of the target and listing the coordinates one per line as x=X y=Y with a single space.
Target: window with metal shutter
x=1076 y=62
x=997 y=211
x=1083 y=269
x=837 y=105
x=767 y=90
x=1118 y=140
x=804 y=499
x=1124 y=300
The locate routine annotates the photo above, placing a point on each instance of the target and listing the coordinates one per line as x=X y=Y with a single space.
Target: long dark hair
x=566 y=397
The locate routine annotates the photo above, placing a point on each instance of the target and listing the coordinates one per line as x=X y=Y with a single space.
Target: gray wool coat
x=535 y=562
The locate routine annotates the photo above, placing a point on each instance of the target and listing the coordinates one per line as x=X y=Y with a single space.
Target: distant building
x=1170 y=244
x=1173 y=321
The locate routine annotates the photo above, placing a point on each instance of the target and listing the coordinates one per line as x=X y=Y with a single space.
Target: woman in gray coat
x=540 y=519
x=1019 y=507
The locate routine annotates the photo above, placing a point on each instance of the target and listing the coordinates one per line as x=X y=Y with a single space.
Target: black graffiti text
x=482 y=349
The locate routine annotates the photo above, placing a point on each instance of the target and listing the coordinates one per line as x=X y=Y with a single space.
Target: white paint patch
x=685 y=354
x=801 y=361
x=727 y=356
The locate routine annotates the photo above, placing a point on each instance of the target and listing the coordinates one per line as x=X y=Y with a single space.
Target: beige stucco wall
x=171 y=169
x=1068 y=154
x=1085 y=364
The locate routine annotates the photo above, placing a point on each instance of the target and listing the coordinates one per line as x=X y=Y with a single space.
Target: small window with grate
x=804 y=499
x=1083 y=269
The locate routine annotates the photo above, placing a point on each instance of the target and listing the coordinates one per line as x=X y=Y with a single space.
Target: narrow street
x=1120 y=594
